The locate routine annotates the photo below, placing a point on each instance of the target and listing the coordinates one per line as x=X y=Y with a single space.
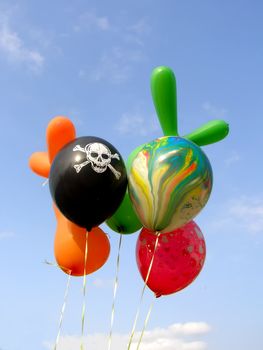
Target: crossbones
x=99 y=156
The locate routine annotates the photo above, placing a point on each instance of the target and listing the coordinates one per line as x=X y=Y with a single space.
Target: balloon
x=178 y=259
x=88 y=181
x=60 y=131
x=70 y=245
x=169 y=183
x=211 y=132
x=39 y=163
x=124 y=220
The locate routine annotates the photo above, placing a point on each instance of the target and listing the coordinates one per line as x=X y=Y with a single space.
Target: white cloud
x=135 y=34
x=14 y=48
x=136 y=124
x=249 y=213
x=179 y=336
x=244 y=213
x=6 y=234
x=91 y=20
x=214 y=111
x=111 y=69
x=232 y=158
x=115 y=65
x=141 y=27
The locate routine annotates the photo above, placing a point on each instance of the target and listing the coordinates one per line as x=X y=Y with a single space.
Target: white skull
x=99 y=155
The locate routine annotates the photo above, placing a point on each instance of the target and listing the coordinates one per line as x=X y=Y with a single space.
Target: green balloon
x=163 y=86
x=124 y=220
x=211 y=132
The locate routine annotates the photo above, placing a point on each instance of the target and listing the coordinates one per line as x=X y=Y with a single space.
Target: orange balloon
x=39 y=163
x=70 y=239
x=60 y=131
x=70 y=244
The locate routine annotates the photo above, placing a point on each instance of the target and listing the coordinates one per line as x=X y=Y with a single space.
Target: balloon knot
x=121 y=228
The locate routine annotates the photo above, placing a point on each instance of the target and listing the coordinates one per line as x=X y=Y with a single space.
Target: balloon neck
x=121 y=229
x=157 y=295
x=75 y=229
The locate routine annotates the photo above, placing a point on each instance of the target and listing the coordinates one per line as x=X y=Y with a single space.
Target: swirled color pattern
x=170 y=181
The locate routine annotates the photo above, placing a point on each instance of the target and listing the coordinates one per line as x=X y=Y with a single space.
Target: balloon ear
x=211 y=132
x=163 y=86
x=60 y=131
x=39 y=163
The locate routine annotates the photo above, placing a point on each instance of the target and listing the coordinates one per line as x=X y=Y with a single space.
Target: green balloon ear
x=163 y=86
x=211 y=132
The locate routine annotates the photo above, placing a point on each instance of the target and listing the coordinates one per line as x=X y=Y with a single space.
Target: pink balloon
x=178 y=259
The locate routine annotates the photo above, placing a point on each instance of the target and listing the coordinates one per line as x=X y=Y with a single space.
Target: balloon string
x=143 y=290
x=65 y=299
x=114 y=292
x=45 y=182
x=62 y=311
x=65 y=269
x=145 y=323
x=84 y=293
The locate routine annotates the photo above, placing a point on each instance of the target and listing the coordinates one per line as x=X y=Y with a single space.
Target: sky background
x=92 y=61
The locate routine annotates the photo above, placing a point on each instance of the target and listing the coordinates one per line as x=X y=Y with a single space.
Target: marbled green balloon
x=170 y=181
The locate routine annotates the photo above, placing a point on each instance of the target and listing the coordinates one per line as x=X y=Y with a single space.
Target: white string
x=145 y=324
x=45 y=182
x=114 y=292
x=143 y=290
x=64 y=302
x=84 y=293
x=62 y=311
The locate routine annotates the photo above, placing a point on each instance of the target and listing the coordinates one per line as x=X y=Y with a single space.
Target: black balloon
x=88 y=181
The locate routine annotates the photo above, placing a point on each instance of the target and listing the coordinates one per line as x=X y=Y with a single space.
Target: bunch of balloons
x=161 y=189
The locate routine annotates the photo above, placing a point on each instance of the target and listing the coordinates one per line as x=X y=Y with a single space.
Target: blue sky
x=92 y=62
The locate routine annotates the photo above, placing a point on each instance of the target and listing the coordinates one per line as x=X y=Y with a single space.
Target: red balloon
x=178 y=258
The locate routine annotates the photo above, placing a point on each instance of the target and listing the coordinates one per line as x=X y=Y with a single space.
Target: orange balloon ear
x=60 y=131
x=39 y=163
x=70 y=244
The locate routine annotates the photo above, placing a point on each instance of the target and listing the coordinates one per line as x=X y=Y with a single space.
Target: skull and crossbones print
x=99 y=156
